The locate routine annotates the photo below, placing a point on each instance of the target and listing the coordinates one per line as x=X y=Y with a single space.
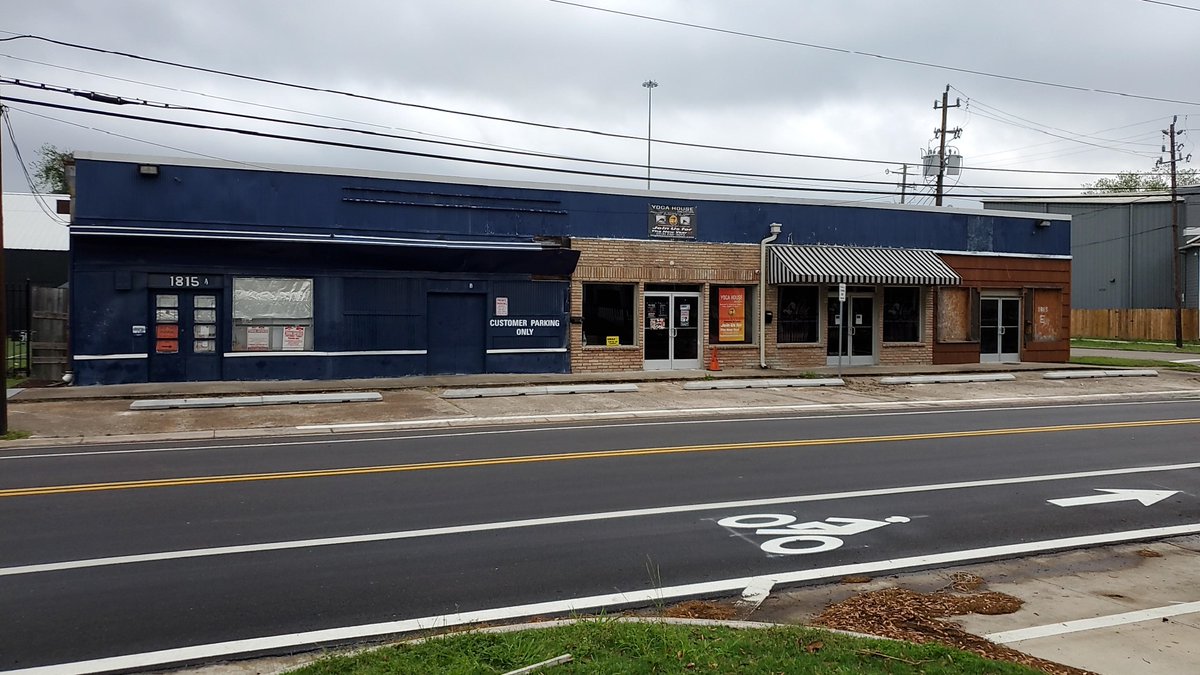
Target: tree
x=50 y=170
x=1132 y=181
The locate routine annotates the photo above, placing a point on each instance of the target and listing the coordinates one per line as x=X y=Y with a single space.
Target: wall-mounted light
x=147 y=170
x=1043 y=223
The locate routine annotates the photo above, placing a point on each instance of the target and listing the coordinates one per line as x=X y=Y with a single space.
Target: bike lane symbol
x=815 y=536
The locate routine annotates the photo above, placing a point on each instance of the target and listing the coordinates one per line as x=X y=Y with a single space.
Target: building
x=197 y=270
x=1121 y=247
x=35 y=239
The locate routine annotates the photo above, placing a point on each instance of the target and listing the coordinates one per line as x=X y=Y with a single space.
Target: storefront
x=192 y=270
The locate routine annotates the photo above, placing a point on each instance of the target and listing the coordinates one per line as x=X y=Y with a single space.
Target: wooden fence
x=1157 y=325
x=48 y=333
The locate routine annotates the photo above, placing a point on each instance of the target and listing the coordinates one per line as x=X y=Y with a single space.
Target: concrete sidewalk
x=103 y=414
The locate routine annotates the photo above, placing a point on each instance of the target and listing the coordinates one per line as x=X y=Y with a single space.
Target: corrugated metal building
x=36 y=239
x=1121 y=248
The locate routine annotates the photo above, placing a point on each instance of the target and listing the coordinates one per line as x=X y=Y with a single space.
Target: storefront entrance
x=858 y=340
x=999 y=330
x=184 y=330
x=672 y=330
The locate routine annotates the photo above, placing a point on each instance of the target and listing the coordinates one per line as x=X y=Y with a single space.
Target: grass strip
x=606 y=646
x=1188 y=347
x=1134 y=363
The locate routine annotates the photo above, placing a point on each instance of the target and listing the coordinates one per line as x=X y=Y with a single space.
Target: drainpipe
x=762 y=293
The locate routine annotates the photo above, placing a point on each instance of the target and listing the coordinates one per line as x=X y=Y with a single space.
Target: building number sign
x=185 y=281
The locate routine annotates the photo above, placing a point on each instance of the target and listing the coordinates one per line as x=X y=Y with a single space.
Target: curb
x=766 y=384
x=1078 y=374
x=939 y=379
x=489 y=392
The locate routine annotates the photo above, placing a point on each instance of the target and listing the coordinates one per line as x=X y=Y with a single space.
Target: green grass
x=606 y=646
x=1134 y=363
x=14 y=435
x=1188 y=347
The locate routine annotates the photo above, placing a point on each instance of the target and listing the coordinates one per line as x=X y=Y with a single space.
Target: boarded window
x=272 y=314
x=1047 y=314
x=956 y=317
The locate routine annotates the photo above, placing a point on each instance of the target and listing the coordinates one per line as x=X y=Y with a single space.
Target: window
x=607 y=314
x=272 y=315
x=901 y=315
x=730 y=312
x=799 y=310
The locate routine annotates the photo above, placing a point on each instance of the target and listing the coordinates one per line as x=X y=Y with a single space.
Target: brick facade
x=703 y=266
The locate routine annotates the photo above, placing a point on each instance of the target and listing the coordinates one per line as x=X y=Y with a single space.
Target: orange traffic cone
x=713 y=364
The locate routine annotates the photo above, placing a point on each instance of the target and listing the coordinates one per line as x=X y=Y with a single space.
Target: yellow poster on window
x=731 y=315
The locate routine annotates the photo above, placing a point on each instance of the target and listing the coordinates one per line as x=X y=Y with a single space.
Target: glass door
x=671 y=332
x=857 y=341
x=999 y=330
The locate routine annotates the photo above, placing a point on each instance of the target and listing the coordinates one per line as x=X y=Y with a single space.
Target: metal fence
x=17 y=318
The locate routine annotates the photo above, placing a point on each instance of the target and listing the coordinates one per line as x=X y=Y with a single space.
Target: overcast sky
x=566 y=65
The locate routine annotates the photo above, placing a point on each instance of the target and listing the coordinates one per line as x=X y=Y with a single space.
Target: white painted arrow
x=1146 y=497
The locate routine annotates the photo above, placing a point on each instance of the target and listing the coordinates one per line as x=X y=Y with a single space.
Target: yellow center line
x=568 y=456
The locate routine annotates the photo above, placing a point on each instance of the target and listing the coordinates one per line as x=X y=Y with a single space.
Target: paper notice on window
x=293 y=338
x=258 y=338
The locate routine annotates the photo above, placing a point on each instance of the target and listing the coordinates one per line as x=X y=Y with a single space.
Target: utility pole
x=903 y=182
x=3 y=291
x=941 y=133
x=1176 y=277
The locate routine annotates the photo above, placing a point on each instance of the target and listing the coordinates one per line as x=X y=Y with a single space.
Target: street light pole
x=649 y=85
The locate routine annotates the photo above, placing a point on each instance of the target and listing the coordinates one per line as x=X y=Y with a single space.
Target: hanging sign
x=731 y=314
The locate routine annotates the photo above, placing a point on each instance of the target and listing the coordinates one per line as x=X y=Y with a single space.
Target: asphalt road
x=112 y=551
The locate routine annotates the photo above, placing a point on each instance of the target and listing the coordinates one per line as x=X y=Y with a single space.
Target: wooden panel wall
x=1033 y=277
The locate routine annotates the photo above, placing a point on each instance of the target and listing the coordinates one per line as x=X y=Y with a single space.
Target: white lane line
x=1185 y=361
x=578 y=518
x=324 y=440
x=581 y=604
x=1079 y=625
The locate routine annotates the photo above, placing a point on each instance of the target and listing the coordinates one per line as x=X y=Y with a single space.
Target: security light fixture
x=147 y=170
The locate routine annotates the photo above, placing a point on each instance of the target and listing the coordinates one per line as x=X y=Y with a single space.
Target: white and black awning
x=792 y=264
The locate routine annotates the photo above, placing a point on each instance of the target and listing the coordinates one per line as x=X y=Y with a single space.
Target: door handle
x=1001 y=330
x=674 y=332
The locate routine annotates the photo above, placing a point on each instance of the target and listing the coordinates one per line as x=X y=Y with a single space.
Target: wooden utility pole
x=3 y=290
x=1176 y=271
x=941 y=133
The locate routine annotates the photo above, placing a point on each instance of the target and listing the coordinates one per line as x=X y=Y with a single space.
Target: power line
x=594 y=132
x=38 y=197
x=411 y=153
x=1171 y=4
x=117 y=100
x=883 y=57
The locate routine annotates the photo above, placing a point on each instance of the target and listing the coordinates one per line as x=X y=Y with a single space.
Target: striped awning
x=789 y=264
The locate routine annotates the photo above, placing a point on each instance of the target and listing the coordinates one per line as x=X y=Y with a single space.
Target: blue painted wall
x=374 y=298
x=113 y=193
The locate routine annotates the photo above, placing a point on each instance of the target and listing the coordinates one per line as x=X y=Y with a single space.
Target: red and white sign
x=293 y=338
